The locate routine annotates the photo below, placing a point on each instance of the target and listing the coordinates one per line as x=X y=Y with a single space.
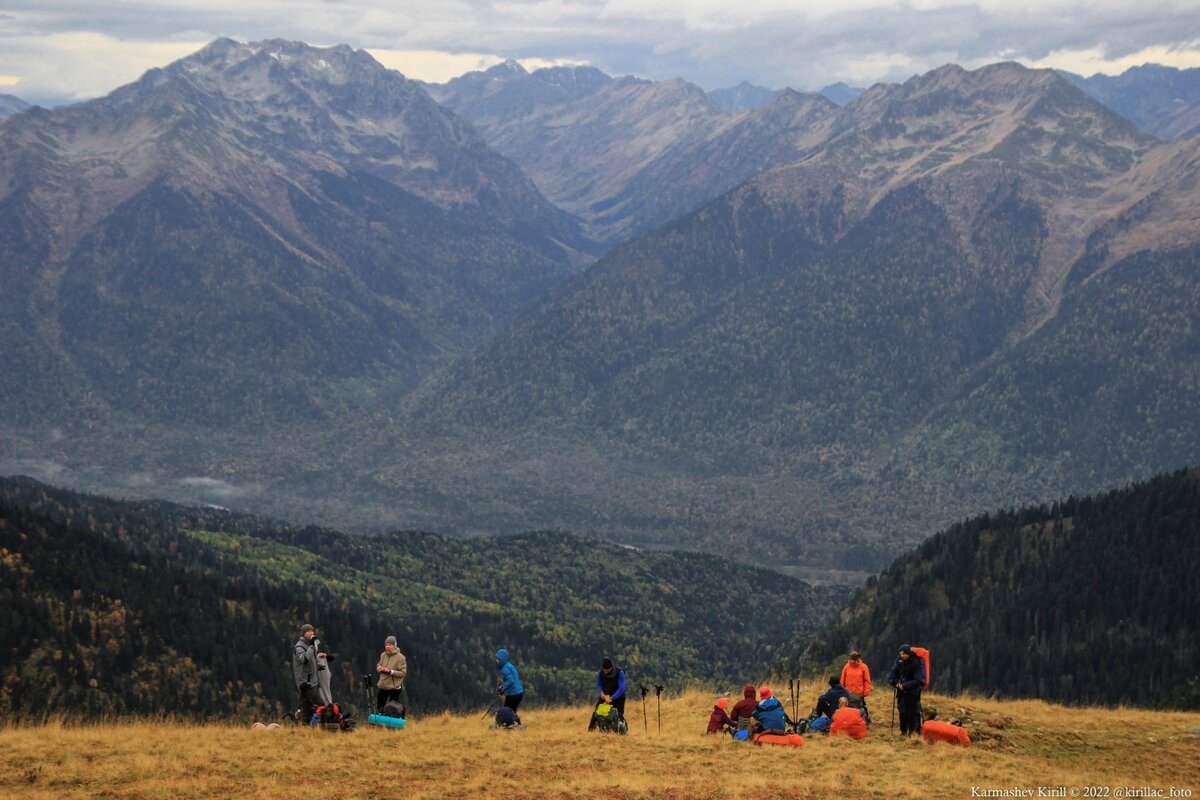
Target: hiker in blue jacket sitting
x=769 y=714
x=510 y=686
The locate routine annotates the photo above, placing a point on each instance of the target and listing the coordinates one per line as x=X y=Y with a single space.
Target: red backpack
x=923 y=654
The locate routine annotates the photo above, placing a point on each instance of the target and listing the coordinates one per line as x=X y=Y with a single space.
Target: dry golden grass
x=1018 y=744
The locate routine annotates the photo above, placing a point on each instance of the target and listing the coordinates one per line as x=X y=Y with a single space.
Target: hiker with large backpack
x=510 y=687
x=304 y=671
x=908 y=677
x=392 y=669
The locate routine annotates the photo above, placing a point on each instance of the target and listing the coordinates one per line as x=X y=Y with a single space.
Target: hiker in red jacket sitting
x=719 y=721
x=744 y=707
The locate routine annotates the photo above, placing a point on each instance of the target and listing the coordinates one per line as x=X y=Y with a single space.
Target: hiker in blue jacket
x=769 y=713
x=610 y=688
x=510 y=687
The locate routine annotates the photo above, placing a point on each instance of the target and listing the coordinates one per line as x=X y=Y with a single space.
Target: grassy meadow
x=1016 y=745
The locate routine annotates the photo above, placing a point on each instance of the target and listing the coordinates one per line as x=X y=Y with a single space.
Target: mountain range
x=978 y=289
x=250 y=235
x=1161 y=100
x=285 y=279
x=10 y=105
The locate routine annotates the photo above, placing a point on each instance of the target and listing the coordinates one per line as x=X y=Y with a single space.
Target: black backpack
x=612 y=722
x=393 y=708
x=507 y=718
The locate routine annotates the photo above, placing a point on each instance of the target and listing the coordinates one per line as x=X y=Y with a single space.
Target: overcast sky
x=53 y=51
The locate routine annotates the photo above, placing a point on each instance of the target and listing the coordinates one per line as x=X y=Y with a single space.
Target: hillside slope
x=1091 y=600
x=150 y=607
x=980 y=290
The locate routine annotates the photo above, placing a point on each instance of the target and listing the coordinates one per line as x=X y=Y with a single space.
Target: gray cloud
x=771 y=42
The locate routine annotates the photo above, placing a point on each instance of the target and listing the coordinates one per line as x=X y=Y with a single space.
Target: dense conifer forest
x=1091 y=600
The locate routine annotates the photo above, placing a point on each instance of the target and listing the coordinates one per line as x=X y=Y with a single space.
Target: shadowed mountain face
x=256 y=233
x=979 y=289
x=625 y=154
x=10 y=105
x=1164 y=101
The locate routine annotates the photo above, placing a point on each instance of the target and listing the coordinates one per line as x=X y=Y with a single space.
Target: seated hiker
x=848 y=721
x=719 y=721
x=770 y=713
x=828 y=702
x=742 y=708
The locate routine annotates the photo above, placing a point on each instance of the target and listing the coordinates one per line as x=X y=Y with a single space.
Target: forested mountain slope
x=150 y=607
x=981 y=290
x=1090 y=600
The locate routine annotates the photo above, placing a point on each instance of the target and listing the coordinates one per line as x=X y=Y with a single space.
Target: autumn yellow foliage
x=1023 y=746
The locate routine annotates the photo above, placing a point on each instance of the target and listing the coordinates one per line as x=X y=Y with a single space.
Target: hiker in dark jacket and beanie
x=828 y=702
x=610 y=686
x=304 y=670
x=907 y=676
x=745 y=706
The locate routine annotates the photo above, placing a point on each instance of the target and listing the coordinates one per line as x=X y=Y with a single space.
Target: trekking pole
x=792 y=696
x=645 y=722
x=658 y=690
x=895 y=700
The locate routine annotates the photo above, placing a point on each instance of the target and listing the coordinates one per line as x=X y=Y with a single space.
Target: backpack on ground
x=393 y=708
x=506 y=718
x=607 y=719
x=331 y=718
x=923 y=654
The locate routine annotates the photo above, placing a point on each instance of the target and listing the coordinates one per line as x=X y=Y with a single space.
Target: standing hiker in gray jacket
x=304 y=670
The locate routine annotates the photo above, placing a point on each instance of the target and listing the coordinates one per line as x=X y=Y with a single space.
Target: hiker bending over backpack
x=610 y=686
x=510 y=687
x=770 y=713
x=719 y=721
x=304 y=670
x=745 y=706
x=392 y=669
x=907 y=677
x=828 y=702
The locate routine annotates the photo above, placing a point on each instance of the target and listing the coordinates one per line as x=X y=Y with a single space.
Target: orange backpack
x=935 y=731
x=923 y=654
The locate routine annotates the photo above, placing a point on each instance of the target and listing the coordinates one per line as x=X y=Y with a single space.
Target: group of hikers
x=842 y=706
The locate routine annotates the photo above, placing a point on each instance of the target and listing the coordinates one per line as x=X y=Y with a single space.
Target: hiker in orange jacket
x=856 y=677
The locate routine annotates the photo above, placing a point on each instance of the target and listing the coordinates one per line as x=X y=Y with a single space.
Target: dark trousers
x=513 y=700
x=386 y=695
x=910 y=711
x=310 y=699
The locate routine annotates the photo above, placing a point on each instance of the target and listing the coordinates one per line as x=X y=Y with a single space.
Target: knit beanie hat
x=305 y=628
x=606 y=664
x=722 y=703
x=764 y=692
x=906 y=648
x=390 y=640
